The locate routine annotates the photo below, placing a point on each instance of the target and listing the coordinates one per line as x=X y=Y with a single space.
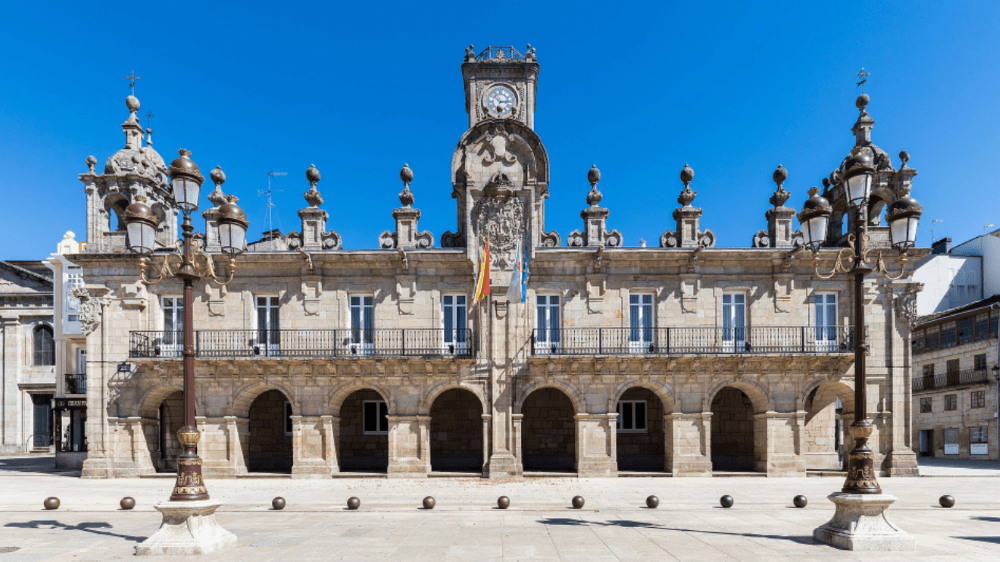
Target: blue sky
x=639 y=89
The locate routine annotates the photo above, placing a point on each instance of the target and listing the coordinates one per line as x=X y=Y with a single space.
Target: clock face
x=500 y=100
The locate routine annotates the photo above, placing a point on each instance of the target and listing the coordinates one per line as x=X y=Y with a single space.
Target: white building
x=957 y=276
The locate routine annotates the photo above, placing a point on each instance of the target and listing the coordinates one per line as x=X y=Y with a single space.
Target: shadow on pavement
x=87 y=527
x=36 y=465
x=994 y=540
x=645 y=525
x=990 y=519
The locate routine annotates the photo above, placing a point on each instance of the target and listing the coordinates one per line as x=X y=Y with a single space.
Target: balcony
x=772 y=340
x=304 y=344
x=950 y=380
x=76 y=384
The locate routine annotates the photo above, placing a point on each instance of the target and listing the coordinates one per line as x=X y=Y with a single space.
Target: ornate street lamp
x=186 y=180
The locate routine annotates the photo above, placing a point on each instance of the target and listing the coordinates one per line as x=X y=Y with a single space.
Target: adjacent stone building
x=684 y=359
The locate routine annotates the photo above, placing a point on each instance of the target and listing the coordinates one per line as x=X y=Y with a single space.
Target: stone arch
x=148 y=406
x=758 y=395
x=846 y=391
x=340 y=393
x=570 y=390
x=739 y=430
x=269 y=446
x=43 y=349
x=662 y=391
x=522 y=141
x=437 y=390
x=835 y=228
x=825 y=441
x=549 y=429
x=456 y=430
x=162 y=447
x=359 y=446
x=246 y=395
x=114 y=207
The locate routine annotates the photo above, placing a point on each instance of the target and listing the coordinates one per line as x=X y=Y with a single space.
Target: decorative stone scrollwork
x=551 y=239
x=762 y=239
x=453 y=239
x=91 y=310
x=906 y=304
x=501 y=220
x=689 y=233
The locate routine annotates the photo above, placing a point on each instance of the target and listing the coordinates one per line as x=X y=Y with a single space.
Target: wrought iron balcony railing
x=494 y=53
x=76 y=384
x=952 y=379
x=225 y=344
x=678 y=341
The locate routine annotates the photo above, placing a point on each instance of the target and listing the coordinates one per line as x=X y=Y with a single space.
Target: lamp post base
x=860 y=523
x=188 y=527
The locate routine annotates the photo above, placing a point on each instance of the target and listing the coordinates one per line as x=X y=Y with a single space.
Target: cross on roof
x=131 y=80
x=864 y=78
x=149 y=117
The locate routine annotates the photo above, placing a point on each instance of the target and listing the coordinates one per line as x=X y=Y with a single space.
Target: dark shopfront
x=69 y=425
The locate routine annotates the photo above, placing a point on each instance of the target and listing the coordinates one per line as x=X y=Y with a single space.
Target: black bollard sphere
x=800 y=501
x=278 y=503
x=726 y=501
x=353 y=503
x=652 y=502
x=947 y=501
x=503 y=502
x=127 y=503
x=578 y=502
x=51 y=503
x=429 y=503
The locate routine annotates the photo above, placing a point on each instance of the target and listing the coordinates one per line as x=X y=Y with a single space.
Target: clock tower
x=500 y=83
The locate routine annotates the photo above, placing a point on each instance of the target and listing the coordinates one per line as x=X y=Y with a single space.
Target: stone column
x=9 y=409
x=593 y=457
x=331 y=431
x=487 y=420
x=140 y=448
x=778 y=443
x=234 y=446
x=515 y=420
x=690 y=437
x=409 y=446
x=503 y=333
x=308 y=455
x=214 y=447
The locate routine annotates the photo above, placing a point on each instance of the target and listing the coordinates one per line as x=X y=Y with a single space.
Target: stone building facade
x=682 y=359
x=954 y=382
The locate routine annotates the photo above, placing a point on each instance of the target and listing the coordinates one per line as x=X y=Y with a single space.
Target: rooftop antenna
x=931 y=229
x=986 y=228
x=270 y=202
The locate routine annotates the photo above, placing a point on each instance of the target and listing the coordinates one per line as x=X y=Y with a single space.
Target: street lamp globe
x=186 y=180
x=140 y=223
x=814 y=218
x=903 y=217
x=232 y=227
x=859 y=170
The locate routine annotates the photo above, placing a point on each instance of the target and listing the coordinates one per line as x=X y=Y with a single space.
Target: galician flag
x=483 y=281
x=516 y=290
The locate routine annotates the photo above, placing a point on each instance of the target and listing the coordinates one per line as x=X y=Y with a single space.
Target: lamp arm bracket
x=880 y=266
x=838 y=264
x=208 y=268
x=165 y=270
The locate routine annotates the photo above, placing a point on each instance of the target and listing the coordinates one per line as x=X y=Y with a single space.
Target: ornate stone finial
x=780 y=175
x=687 y=194
x=904 y=157
x=91 y=162
x=406 y=196
x=594 y=175
x=313 y=196
x=813 y=191
x=132 y=103
x=149 y=136
x=862 y=103
x=687 y=174
x=232 y=199
x=594 y=196
x=312 y=174
x=218 y=178
x=780 y=196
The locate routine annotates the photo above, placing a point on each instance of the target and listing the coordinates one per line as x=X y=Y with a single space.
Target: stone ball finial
x=862 y=102
x=91 y=162
x=69 y=235
x=594 y=175
x=132 y=103
x=406 y=174
x=218 y=176
x=904 y=157
x=312 y=174
x=780 y=175
x=687 y=174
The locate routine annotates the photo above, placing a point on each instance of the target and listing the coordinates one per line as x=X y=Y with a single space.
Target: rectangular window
x=288 y=417
x=918 y=341
x=951 y=441
x=950 y=402
x=73 y=279
x=268 y=325
x=549 y=337
x=966 y=329
x=994 y=317
x=979 y=399
x=173 y=326
x=826 y=321
x=979 y=435
x=632 y=416
x=454 y=317
x=982 y=325
x=948 y=334
x=362 y=324
x=979 y=362
x=734 y=321
x=375 y=416
x=933 y=338
x=929 y=370
x=640 y=323
x=925 y=406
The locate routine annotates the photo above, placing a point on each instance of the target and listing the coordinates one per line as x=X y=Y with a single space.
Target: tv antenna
x=270 y=201
x=931 y=229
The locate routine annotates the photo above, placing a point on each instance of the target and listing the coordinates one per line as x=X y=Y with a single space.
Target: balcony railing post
x=533 y=342
x=403 y=344
x=803 y=336
x=600 y=341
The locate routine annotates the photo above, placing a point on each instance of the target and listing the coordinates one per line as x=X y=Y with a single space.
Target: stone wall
x=820 y=434
x=549 y=431
x=733 y=433
x=270 y=449
x=358 y=452
x=643 y=451
x=457 y=432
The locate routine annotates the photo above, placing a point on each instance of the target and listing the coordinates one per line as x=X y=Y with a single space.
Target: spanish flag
x=483 y=281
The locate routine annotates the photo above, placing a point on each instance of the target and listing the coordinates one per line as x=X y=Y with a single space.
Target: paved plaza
x=466 y=525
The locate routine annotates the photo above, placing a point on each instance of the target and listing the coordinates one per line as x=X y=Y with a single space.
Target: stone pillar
x=331 y=431
x=594 y=446
x=690 y=443
x=308 y=455
x=10 y=415
x=234 y=448
x=502 y=331
x=595 y=220
x=140 y=448
x=214 y=447
x=688 y=217
x=487 y=420
x=409 y=446
x=515 y=420
x=778 y=443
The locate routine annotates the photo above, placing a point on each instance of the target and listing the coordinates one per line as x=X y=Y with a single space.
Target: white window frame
x=827 y=332
x=734 y=326
x=548 y=338
x=455 y=308
x=269 y=345
x=633 y=428
x=641 y=321
x=81 y=361
x=72 y=279
x=286 y=421
x=951 y=446
x=361 y=338
x=173 y=309
x=379 y=404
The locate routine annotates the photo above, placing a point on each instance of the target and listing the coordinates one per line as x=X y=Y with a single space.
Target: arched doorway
x=548 y=432
x=457 y=432
x=363 y=444
x=170 y=416
x=640 y=440
x=733 y=437
x=829 y=411
x=270 y=438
